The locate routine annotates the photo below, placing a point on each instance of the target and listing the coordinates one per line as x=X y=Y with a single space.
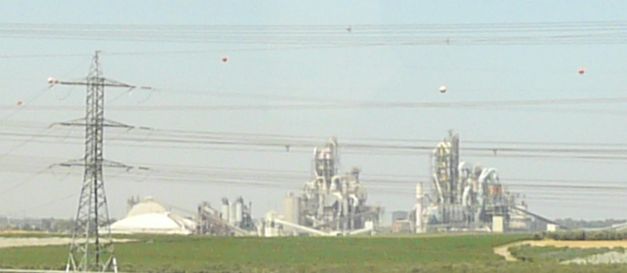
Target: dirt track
x=19 y=242
x=503 y=250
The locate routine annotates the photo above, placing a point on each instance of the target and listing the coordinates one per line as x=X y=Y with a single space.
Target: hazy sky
x=392 y=73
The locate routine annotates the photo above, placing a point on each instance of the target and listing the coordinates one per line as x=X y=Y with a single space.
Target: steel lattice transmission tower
x=92 y=245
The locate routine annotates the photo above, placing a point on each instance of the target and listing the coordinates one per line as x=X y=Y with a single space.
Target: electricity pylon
x=92 y=245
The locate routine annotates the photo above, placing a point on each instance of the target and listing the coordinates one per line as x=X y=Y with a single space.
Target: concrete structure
x=498 y=224
x=401 y=226
x=466 y=197
x=330 y=203
x=233 y=219
x=399 y=215
x=226 y=209
x=291 y=208
x=551 y=227
x=148 y=216
x=418 y=213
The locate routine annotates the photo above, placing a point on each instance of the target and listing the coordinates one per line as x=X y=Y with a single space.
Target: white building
x=148 y=216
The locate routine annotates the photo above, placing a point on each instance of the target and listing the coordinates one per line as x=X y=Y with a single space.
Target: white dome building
x=148 y=216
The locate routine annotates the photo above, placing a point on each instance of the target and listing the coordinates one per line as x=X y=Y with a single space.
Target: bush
x=583 y=235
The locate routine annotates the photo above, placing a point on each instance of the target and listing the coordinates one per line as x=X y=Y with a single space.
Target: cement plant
x=313 y=136
x=461 y=197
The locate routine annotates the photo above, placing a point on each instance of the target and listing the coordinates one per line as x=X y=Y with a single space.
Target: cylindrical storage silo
x=225 y=210
x=239 y=204
x=419 y=194
x=291 y=208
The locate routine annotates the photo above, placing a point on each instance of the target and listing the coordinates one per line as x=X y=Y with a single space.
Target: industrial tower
x=92 y=245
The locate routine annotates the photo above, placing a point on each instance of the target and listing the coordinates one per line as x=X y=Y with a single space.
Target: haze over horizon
x=281 y=85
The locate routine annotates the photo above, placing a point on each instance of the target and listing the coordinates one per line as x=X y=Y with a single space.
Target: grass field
x=467 y=253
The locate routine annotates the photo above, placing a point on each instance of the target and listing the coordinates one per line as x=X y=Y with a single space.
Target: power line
x=324 y=35
x=38 y=56
x=389 y=180
x=167 y=135
x=281 y=177
x=177 y=139
x=346 y=105
x=270 y=141
x=22 y=183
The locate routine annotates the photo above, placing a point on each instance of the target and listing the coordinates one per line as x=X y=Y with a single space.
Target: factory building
x=466 y=196
x=330 y=203
x=231 y=219
x=149 y=216
x=399 y=215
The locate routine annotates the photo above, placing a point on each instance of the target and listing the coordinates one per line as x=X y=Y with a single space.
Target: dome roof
x=146 y=206
x=148 y=216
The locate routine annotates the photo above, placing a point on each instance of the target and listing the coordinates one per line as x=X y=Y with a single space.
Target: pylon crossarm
x=90 y=83
x=104 y=82
x=83 y=124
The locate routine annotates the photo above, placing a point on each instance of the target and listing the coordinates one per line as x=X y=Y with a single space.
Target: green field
x=467 y=253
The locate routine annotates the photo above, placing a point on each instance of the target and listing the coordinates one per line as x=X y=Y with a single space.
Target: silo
x=225 y=210
x=291 y=208
x=238 y=210
x=419 y=204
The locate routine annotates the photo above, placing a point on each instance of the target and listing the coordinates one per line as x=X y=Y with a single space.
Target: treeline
x=582 y=224
x=581 y=235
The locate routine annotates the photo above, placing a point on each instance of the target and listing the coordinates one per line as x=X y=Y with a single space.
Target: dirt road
x=503 y=250
x=18 y=242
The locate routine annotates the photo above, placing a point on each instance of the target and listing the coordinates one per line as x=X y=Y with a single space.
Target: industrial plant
x=313 y=136
x=462 y=197
x=330 y=203
x=232 y=219
x=466 y=197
